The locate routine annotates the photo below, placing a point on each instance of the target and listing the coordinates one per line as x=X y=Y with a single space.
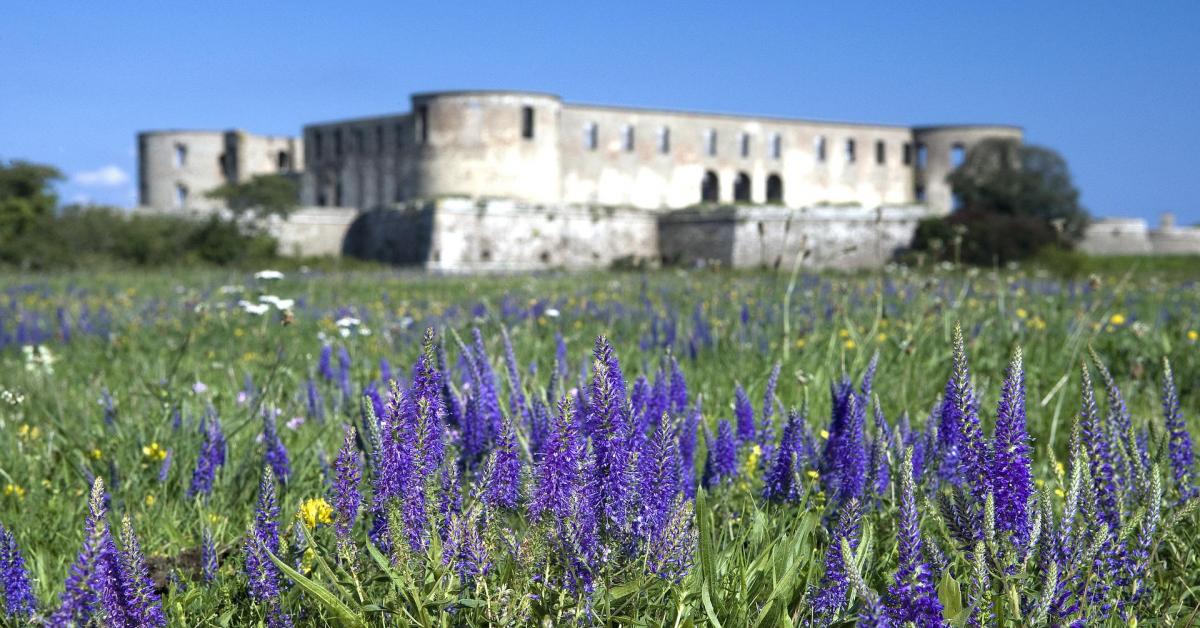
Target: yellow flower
x=849 y=344
x=752 y=462
x=882 y=337
x=813 y=474
x=1117 y=319
x=1040 y=482
x=844 y=333
x=95 y=453
x=213 y=518
x=238 y=332
x=1021 y=313
x=154 y=451
x=27 y=432
x=14 y=490
x=1059 y=492
x=825 y=434
x=1193 y=335
x=800 y=342
x=150 y=500
x=314 y=511
x=1037 y=323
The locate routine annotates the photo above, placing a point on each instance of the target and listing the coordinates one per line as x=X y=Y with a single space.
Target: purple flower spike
x=143 y=606
x=502 y=483
x=912 y=598
x=832 y=596
x=1011 y=478
x=85 y=582
x=1179 y=445
x=721 y=465
x=346 y=496
x=18 y=600
x=743 y=412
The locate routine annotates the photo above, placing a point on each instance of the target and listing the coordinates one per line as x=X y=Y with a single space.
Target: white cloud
x=109 y=176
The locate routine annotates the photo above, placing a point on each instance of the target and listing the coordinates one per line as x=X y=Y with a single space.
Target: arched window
x=774 y=189
x=741 y=188
x=710 y=188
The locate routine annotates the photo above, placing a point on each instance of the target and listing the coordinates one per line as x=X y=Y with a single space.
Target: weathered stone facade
x=177 y=168
x=504 y=180
x=1133 y=236
x=534 y=148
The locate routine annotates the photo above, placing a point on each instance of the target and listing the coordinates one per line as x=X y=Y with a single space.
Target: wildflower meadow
x=942 y=448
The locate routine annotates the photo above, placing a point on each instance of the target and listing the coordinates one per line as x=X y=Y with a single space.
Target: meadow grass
x=129 y=365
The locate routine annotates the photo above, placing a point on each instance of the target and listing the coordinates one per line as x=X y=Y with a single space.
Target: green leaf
x=330 y=601
x=706 y=554
x=950 y=595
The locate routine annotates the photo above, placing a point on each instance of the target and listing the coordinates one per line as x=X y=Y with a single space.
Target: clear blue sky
x=1115 y=87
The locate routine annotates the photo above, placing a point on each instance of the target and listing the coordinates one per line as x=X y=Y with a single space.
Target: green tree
x=1003 y=176
x=262 y=195
x=26 y=195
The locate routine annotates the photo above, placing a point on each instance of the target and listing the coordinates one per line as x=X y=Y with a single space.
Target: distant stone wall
x=1133 y=236
x=461 y=235
x=313 y=231
x=773 y=237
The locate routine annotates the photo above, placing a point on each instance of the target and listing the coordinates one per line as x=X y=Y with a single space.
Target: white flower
x=344 y=332
x=39 y=358
x=347 y=321
x=364 y=331
x=268 y=275
x=230 y=289
x=257 y=309
x=280 y=304
x=11 y=398
x=552 y=312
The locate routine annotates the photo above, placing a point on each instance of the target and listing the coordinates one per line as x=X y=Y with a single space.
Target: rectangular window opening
x=628 y=141
x=776 y=146
x=851 y=154
x=527 y=122
x=421 y=129
x=664 y=140
x=710 y=142
x=880 y=153
x=745 y=144
x=819 y=148
x=591 y=135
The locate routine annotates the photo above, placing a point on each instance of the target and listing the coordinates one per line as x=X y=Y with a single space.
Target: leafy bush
x=985 y=238
x=83 y=237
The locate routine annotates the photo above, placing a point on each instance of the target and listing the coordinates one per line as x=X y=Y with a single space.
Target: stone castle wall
x=1133 y=236
x=462 y=235
x=534 y=148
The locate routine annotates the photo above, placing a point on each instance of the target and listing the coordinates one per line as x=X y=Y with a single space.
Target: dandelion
x=1116 y=320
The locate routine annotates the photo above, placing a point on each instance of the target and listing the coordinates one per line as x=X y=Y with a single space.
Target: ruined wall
x=313 y=231
x=773 y=236
x=177 y=168
x=939 y=149
x=601 y=165
x=1133 y=236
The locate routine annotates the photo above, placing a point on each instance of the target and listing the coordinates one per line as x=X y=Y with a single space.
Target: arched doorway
x=741 y=188
x=710 y=188
x=774 y=189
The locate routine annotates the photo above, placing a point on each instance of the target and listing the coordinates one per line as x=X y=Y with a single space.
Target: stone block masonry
x=461 y=235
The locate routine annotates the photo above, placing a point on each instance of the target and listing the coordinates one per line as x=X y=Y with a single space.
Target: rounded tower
x=176 y=168
x=500 y=144
x=940 y=149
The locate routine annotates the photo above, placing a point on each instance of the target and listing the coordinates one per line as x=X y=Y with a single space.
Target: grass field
x=736 y=457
